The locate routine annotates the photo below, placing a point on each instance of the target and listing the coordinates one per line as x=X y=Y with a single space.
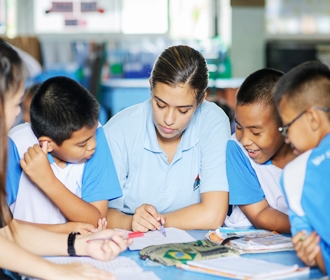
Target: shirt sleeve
x=14 y=172
x=244 y=186
x=213 y=156
x=100 y=181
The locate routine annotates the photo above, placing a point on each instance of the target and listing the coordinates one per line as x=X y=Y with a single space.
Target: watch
x=71 y=240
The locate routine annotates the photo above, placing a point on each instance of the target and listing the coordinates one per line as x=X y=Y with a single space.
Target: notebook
x=251 y=240
x=237 y=267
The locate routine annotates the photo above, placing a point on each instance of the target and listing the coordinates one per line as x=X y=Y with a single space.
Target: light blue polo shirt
x=198 y=166
x=306 y=184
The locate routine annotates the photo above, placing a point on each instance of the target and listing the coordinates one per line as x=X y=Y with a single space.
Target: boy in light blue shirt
x=303 y=99
x=71 y=177
x=256 y=154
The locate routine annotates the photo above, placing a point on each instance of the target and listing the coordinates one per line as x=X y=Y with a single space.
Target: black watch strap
x=71 y=240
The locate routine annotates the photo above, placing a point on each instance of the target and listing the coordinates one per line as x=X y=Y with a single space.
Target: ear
x=314 y=119
x=50 y=143
x=150 y=83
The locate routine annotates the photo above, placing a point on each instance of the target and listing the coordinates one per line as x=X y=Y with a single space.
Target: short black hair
x=61 y=106
x=308 y=84
x=258 y=88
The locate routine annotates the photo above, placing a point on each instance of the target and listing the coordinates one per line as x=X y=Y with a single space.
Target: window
x=144 y=17
x=298 y=17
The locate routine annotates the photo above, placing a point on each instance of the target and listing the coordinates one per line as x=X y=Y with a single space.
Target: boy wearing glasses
x=303 y=100
x=256 y=155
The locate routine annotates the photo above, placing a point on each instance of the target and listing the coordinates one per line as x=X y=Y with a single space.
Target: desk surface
x=164 y=272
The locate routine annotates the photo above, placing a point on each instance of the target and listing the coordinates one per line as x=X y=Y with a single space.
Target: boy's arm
x=35 y=164
x=261 y=215
x=83 y=228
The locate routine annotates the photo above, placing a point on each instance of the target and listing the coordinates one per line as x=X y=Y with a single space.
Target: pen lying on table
x=129 y=235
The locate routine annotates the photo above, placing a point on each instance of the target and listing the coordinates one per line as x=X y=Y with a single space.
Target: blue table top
x=165 y=272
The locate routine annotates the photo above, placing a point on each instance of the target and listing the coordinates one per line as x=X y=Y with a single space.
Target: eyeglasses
x=284 y=129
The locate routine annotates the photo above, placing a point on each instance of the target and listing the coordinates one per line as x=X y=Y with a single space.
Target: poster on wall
x=102 y=16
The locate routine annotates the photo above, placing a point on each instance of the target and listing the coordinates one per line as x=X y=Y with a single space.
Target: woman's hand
x=147 y=218
x=104 y=245
x=307 y=247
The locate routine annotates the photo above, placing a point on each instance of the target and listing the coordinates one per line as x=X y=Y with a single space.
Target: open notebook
x=237 y=267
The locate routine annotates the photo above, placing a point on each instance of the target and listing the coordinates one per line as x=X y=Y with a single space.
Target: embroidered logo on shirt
x=197 y=183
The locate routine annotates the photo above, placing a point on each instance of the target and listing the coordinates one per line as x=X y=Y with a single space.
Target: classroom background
x=109 y=46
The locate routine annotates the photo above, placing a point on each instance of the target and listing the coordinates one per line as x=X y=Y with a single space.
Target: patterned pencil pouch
x=176 y=253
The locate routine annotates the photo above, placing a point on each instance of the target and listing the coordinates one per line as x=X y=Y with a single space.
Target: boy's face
x=258 y=132
x=79 y=148
x=299 y=134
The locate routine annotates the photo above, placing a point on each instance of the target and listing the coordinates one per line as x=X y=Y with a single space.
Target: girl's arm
x=17 y=250
x=208 y=214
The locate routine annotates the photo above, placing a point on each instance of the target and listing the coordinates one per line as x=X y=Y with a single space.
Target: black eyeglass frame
x=284 y=129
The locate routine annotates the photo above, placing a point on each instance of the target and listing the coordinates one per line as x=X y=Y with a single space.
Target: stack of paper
x=251 y=240
x=237 y=267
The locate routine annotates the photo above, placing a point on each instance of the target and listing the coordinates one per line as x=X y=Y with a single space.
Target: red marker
x=130 y=235
x=135 y=234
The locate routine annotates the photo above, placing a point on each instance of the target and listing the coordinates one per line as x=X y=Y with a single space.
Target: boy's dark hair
x=61 y=106
x=306 y=85
x=258 y=88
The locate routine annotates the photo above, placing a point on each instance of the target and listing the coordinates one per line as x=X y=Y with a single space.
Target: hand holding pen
x=147 y=218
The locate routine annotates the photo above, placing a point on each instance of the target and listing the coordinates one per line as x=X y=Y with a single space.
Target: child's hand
x=307 y=247
x=83 y=228
x=147 y=218
x=102 y=224
x=36 y=165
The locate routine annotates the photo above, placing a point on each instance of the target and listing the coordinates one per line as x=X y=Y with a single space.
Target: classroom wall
x=247 y=50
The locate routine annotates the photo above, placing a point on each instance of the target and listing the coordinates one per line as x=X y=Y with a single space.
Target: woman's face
x=12 y=106
x=173 y=108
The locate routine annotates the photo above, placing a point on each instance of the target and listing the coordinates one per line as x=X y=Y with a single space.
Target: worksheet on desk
x=173 y=235
x=122 y=267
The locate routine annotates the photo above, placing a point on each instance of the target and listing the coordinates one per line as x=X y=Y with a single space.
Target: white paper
x=244 y=267
x=173 y=235
x=122 y=267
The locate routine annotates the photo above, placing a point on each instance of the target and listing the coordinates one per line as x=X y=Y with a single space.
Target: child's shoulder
x=20 y=129
x=23 y=137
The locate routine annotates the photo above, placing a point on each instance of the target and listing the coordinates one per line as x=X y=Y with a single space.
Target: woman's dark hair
x=179 y=65
x=11 y=78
